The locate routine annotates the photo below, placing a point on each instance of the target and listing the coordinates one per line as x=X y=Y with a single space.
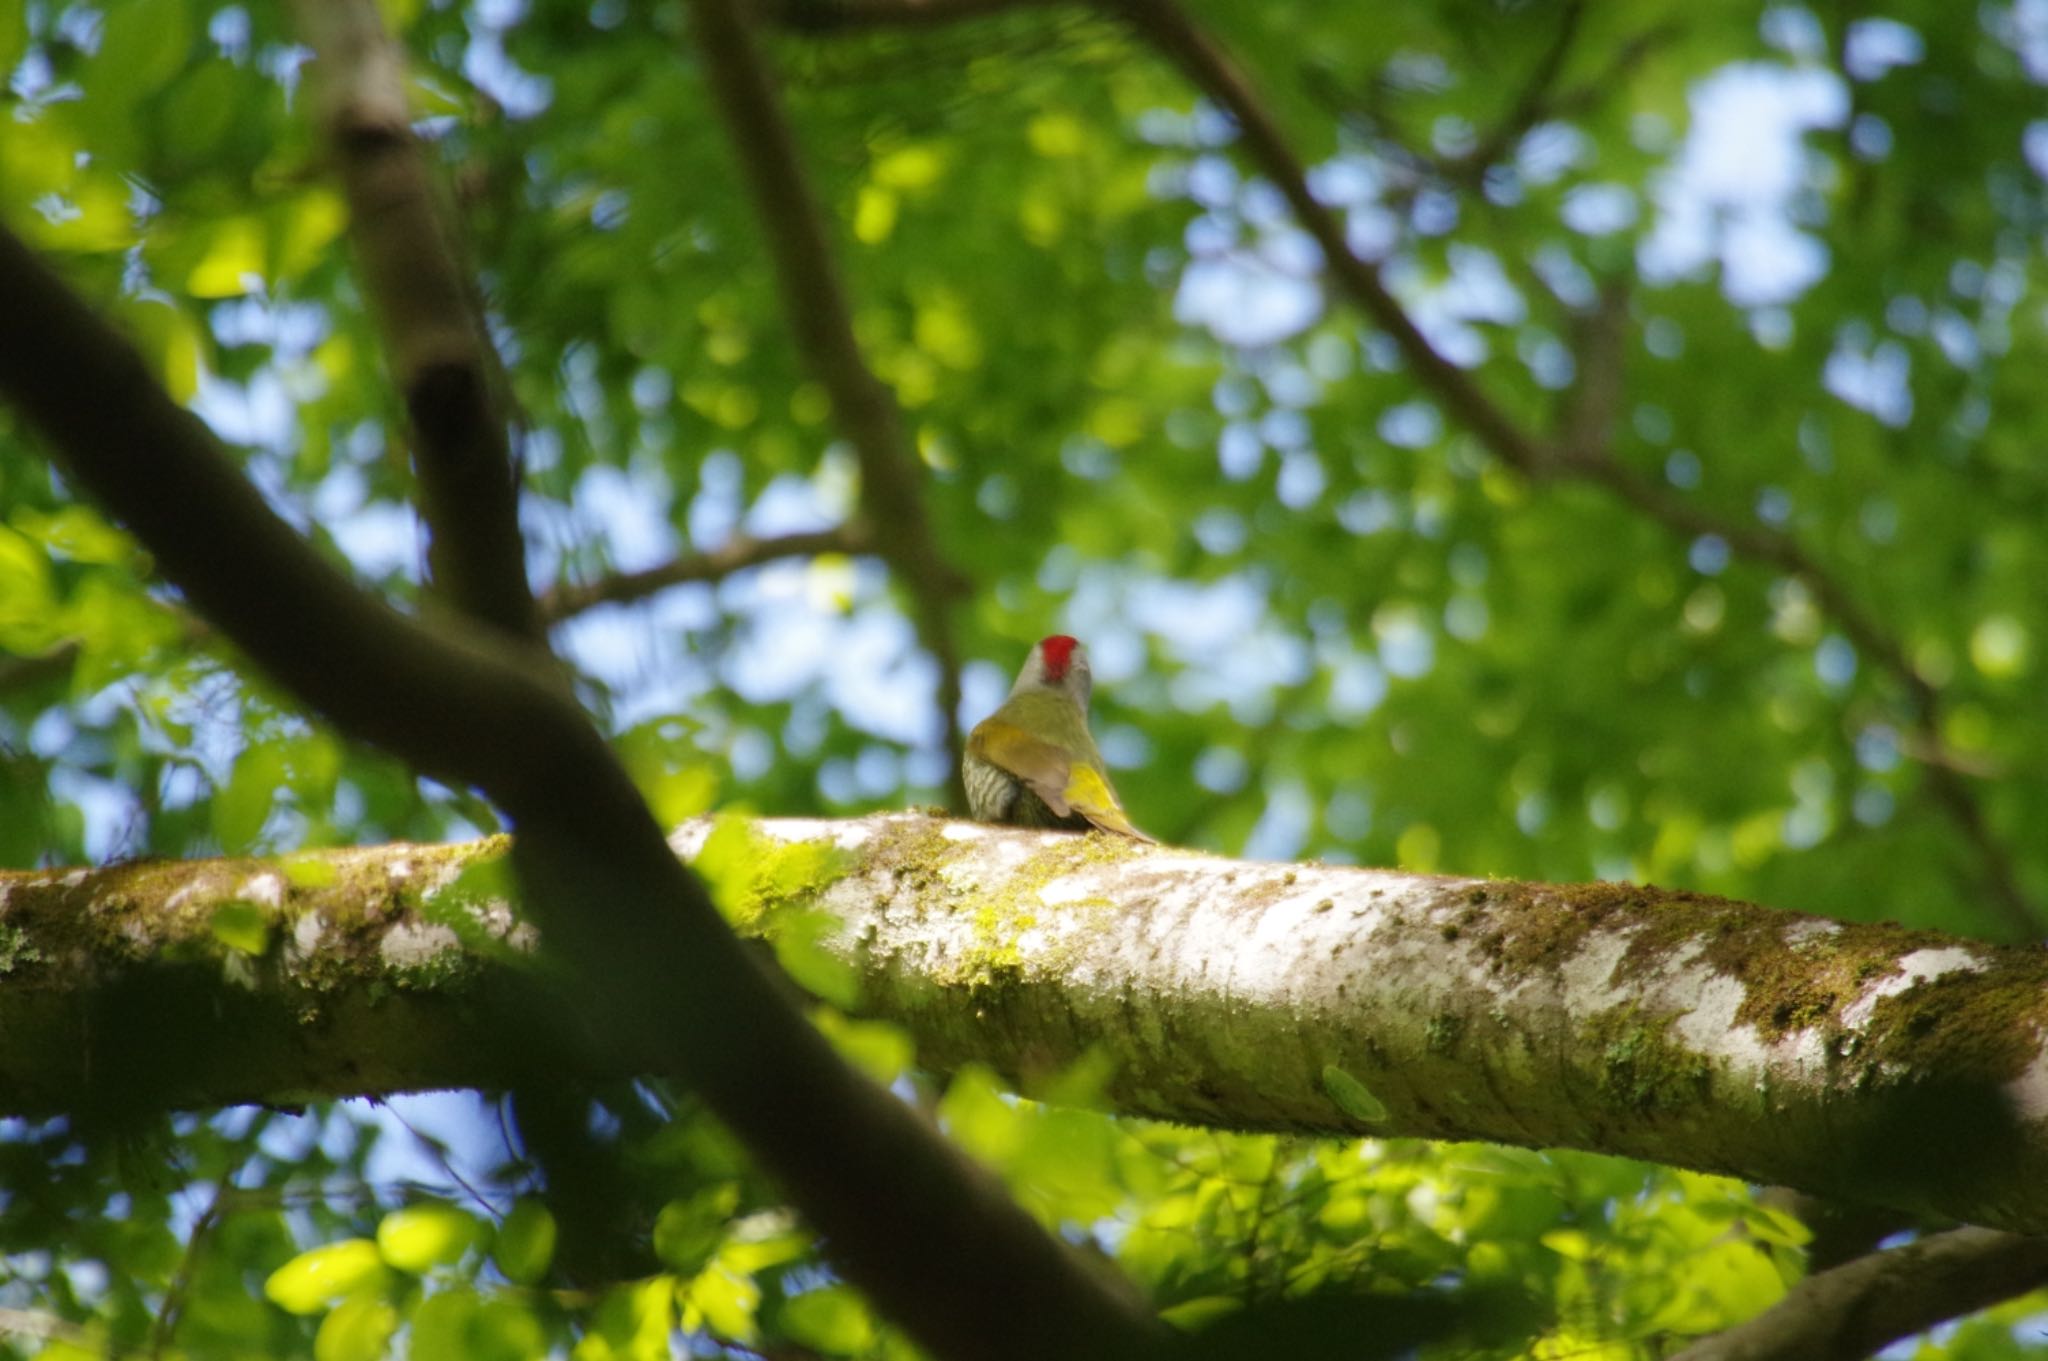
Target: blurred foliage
x=1325 y=623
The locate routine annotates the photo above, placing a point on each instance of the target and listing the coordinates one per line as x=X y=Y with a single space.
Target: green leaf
x=880 y=1049
x=525 y=1246
x=319 y=1276
x=1200 y=1312
x=507 y=1330
x=688 y=1231
x=421 y=1237
x=358 y=1329
x=242 y=806
x=726 y=1301
x=13 y=37
x=726 y=863
x=798 y=938
x=309 y=871
x=833 y=1319
x=633 y=1323
x=441 y=1324
x=76 y=532
x=242 y=926
x=761 y=1241
x=1353 y=1097
x=26 y=604
x=173 y=343
x=145 y=43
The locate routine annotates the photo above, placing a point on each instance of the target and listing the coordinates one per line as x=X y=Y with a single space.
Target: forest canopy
x=1535 y=442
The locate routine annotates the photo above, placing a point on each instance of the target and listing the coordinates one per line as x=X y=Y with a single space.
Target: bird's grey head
x=1057 y=663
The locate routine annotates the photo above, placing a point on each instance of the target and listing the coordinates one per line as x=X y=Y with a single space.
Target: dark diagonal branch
x=735 y=555
x=1211 y=71
x=1855 y=1309
x=1583 y=454
x=815 y=306
x=646 y=962
x=1532 y=104
x=1540 y=99
x=426 y=307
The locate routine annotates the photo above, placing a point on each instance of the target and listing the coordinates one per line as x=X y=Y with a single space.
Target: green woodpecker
x=1032 y=762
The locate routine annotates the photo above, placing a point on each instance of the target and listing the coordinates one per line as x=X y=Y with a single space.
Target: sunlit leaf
x=320 y=1276
x=358 y=1329
x=242 y=926
x=421 y=1237
x=833 y=1319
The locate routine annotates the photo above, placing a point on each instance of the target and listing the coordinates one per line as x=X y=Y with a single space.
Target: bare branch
x=815 y=307
x=1530 y=105
x=434 y=339
x=736 y=555
x=1541 y=101
x=1856 y=1309
x=1212 y=72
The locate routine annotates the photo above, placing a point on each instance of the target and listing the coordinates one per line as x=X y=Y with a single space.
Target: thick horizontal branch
x=1859 y=1061
x=1866 y=1062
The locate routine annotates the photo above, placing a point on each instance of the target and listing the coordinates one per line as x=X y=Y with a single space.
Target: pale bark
x=1861 y=1061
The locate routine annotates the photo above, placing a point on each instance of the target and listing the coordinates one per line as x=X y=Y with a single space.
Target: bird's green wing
x=1041 y=765
x=1047 y=771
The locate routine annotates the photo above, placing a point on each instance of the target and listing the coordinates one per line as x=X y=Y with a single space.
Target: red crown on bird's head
x=1058 y=654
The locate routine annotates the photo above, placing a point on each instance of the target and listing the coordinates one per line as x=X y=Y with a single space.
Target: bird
x=1032 y=762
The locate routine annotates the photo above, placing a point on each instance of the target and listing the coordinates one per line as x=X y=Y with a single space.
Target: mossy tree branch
x=1860 y=1061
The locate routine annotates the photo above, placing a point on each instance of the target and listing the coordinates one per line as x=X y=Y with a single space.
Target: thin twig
x=1542 y=102
x=165 y=1329
x=735 y=555
x=1534 y=100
